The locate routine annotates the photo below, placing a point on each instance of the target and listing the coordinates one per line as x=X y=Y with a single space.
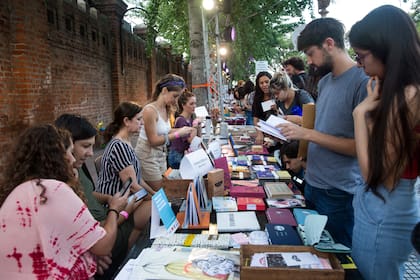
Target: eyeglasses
x=360 y=57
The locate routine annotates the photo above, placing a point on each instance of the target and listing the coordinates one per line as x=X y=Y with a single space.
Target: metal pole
x=206 y=54
x=219 y=68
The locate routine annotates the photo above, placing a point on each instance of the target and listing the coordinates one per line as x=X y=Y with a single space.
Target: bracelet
x=124 y=214
x=113 y=210
x=166 y=139
x=176 y=134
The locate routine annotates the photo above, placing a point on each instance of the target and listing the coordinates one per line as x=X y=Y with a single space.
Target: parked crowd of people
x=58 y=222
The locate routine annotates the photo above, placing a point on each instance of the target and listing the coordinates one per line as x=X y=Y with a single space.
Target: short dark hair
x=290 y=149
x=296 y=62
x=79 y=127
x=320 y=29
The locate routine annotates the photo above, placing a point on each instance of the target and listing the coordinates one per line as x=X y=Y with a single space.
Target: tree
x=262 y=29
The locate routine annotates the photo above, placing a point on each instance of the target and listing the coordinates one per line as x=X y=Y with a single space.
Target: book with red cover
x=243 y=191
x=250 y=203
x=280 y=216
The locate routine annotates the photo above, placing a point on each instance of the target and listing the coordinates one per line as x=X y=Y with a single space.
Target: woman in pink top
x=46 y=230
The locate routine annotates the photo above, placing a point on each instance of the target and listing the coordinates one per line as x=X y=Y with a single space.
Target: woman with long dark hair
x=387 y=125
x=262 y=93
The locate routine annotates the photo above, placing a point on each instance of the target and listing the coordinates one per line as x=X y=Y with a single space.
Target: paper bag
x=308 y=121
x=215 y=183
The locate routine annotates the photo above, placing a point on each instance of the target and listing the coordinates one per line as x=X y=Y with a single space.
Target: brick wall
x=60 y=56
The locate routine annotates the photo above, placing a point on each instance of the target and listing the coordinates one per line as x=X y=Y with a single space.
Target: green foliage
x=263 y=29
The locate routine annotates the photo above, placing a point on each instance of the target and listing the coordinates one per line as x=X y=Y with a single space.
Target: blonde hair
x=281 y=81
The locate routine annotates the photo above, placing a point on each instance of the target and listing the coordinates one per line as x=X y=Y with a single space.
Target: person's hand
x=372 y=99
x=259 y=139
x=119 y=202
x=296 y=119
x=292 y=131
x=103 y=263
x=185 y=130
x=275 y=108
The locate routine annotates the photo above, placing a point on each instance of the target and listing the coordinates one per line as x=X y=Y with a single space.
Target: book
x=193 y=217
x=250 y=203
x=244 y=191
x=269 y=167
x=266 y=174
x=240 y=175
x=215 y=241
x=296 y=201
x=224 y=204
x=177 y=263
x=282 y=234
x=269 y=127
x=277 y=190
x=222 y=164
x=237 y=221
x=301 y=213
x=280 y=216
x=284 y=175
x=162 y=211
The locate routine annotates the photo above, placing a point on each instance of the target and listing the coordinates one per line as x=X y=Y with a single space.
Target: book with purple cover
x=243 y=191
x=222 y=163
x=280 y=216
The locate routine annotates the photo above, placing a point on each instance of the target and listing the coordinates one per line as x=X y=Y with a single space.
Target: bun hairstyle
x=281 y=81
x=183 y=99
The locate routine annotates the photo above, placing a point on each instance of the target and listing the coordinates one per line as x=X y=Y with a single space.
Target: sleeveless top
x=413 y=168
x=162 y=127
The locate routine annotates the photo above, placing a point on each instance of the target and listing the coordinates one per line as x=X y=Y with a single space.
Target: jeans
x=382 y=230
x=337 y=205
x=174 y=159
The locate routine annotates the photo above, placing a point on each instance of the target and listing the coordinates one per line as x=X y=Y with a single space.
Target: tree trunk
x=198 y=70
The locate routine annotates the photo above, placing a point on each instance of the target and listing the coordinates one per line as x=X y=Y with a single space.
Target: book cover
x=282 y=234
x=265 y=174
x=247 y=183
x=280 y=216
x=250 y=203
x=286 y=202
x=277 y=190
x=222 y=164
x=301 y=213
x=178 y=263
x=237 y=221
x=240 y=175
x=224 y=204
x=243 y=191
x=193 y=217
x=284 y=175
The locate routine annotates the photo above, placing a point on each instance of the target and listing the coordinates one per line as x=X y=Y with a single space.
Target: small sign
x=261 y=65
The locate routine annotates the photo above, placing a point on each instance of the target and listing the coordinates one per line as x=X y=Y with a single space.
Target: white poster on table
x=195 y=164
x=201 y=112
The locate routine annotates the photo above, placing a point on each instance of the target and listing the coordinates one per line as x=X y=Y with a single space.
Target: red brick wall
x=56 y=57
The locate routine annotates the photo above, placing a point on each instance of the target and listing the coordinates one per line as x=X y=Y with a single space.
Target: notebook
x=282 y=234
x=237 y=221
x=280 y=216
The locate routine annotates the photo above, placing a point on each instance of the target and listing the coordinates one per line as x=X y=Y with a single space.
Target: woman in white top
x=156 y=133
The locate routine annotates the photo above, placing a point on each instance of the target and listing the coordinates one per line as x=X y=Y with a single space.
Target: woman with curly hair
x=47 y=230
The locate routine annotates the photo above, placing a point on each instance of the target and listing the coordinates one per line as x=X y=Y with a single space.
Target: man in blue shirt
x=332 y=172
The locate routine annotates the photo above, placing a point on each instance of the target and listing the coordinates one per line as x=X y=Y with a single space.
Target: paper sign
x=195 y=164
x=215 y=149
x=161 y=210
x=266 y=105
x=201 y=112
x=195 y=144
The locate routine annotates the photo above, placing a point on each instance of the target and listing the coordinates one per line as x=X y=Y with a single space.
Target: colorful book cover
x=243 y=191
x=296 y=201
x=250 y=203
x=224 y=204
x=280 y=216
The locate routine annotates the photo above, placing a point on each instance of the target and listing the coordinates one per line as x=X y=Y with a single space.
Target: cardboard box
x=252 y=273
x=177 y=188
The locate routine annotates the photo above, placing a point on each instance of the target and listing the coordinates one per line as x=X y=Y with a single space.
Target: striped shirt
x=117 y=156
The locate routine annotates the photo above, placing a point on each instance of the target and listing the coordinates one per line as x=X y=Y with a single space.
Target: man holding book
x=332 y=173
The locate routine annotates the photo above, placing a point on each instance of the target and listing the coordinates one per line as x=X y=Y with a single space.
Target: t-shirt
x=181 y=144
x=299 y=80
x=50 y=240
x=295 y=108
x=338 y=96
x=117 y=156
x=258 y=112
